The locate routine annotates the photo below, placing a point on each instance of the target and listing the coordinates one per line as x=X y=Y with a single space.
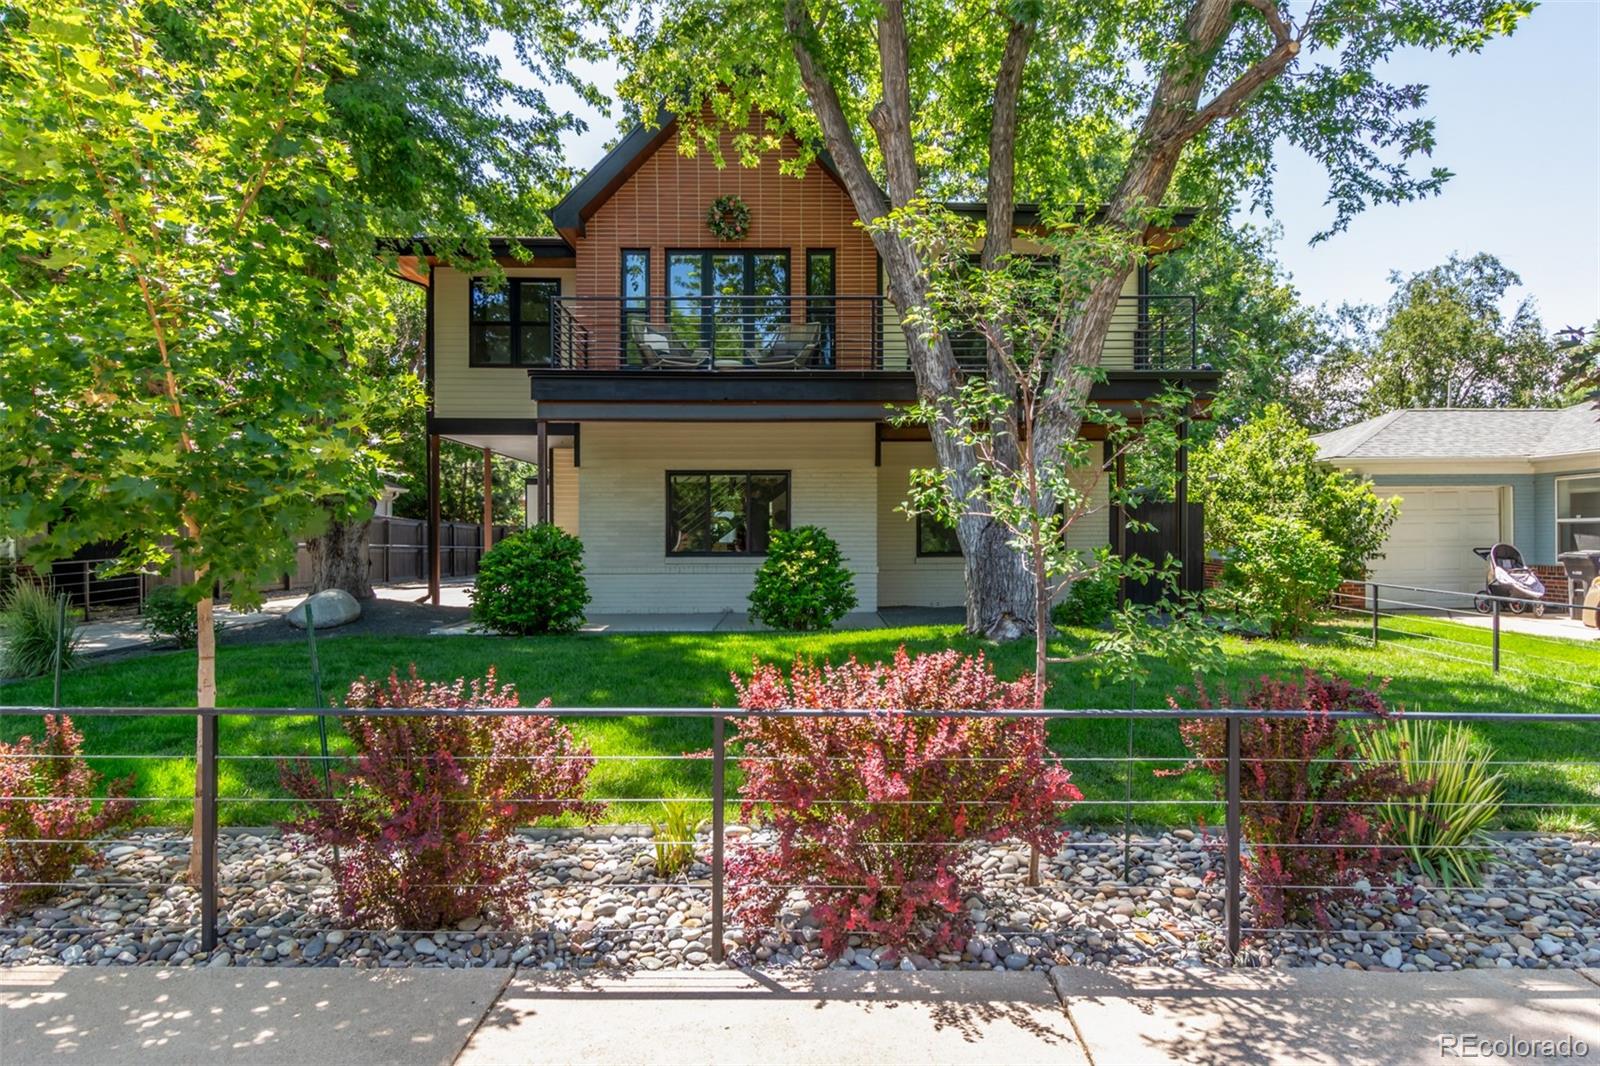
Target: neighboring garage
x=1432 y=540
x=1469 y=478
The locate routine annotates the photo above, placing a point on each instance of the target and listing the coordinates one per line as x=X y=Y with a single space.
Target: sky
x=1518 y=124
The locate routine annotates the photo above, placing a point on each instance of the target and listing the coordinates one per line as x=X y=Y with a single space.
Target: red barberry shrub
x=874 y=814
x=46 y=794
x=426 y=810
x=1306 y=794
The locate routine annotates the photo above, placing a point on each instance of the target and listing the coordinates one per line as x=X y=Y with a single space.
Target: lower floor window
x=935 y=538
x=721 y=513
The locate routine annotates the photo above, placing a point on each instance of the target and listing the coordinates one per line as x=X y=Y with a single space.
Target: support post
x=1184 y=577
x=488 y=500
x=208 y=829
x=61 y=647
x=543 y=435
x=1232 y=870
x=1374 y=614
x=433 y=519
x=1495 y=640
x=718 y=802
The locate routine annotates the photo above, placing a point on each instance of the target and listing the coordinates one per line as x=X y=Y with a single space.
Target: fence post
x=1374 y=614
x=1231 y=904
x=718 y=781
x=208 y=829
x=1495 y=640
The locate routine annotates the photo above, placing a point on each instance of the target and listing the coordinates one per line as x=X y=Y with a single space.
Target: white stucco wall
x=464 y=391
x=622 y=520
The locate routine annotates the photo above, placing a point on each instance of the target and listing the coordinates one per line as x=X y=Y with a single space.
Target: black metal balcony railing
x=815 y=333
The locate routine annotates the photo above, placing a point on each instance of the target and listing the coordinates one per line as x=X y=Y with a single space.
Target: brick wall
x=622 y=513
x=1555 y=582
x=663 y=206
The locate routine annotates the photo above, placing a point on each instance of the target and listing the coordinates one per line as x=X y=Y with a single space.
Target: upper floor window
x=510 y=322
x=718 y=513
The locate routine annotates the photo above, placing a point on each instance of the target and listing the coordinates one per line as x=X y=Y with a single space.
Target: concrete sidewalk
x=333 y=1017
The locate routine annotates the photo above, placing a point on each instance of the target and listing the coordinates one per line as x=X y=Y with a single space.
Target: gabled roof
x=1467 y=433
x=617 y=166
x=629 y=154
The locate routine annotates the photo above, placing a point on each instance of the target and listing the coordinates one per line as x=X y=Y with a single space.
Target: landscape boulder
x=329 y=608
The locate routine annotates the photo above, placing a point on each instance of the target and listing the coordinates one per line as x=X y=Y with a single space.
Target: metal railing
x=85 y=584
x=816 y=333
x=1388 y=606
x=1098 y=796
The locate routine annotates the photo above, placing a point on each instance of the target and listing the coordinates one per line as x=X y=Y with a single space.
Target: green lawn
x=1428 y=664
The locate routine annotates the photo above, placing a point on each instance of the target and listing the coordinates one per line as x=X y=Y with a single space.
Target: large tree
x=1252 y=323
x=1129 y=107
x=1443 y=340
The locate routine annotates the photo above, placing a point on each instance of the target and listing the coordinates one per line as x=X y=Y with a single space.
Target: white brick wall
x=622 y=520
x=904 y=580
x=564 y=489
x=464 y=391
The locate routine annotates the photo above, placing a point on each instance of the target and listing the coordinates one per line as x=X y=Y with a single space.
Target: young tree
x=1443 y=341
x=1126 y=107
x=1023 y=306
x=175 y=265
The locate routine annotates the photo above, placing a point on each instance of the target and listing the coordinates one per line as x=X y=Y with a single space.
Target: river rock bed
x=599 y=905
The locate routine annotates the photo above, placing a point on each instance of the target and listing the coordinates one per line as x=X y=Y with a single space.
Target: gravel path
x=600 y=906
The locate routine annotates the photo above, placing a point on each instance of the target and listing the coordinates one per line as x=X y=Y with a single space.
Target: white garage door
x=1431 y=543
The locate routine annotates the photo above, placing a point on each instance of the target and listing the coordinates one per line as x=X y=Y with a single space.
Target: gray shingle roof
x=1463 y=433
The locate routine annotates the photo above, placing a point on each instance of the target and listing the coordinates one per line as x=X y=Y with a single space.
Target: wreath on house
x=728 y=218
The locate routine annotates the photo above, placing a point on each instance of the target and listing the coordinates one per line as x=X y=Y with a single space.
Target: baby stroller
x=1509 y=578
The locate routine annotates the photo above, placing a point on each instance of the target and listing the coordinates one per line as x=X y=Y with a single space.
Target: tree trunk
x=339 y=558
x=205 y=695
x=1000 y=585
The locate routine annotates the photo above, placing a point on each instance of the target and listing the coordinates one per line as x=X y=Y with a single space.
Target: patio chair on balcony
x=659 y=350
x=792 y=346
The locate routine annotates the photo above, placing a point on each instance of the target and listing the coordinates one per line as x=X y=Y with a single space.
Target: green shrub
x=804 y=583
x=1269 y=466
x=168 y=616
x=31 y=628
x=1443 y=826
x=532 y=582
x=1278 y=573
x=1089 y=601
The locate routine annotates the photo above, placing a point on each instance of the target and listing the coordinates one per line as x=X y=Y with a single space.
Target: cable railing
x=1179 y=854
x=784 y=332
x=1394 y=611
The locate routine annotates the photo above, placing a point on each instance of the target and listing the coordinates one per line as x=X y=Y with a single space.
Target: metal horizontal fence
x=708 y=874
x=1392 y=610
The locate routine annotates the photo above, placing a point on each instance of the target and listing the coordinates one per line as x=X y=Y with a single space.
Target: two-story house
x=686 y=394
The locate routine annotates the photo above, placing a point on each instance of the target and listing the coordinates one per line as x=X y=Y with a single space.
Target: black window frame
x=748 y=475
x=630 y=306
x=706 y=295
x=822 y=307
x=513 y=322
x=955 y=554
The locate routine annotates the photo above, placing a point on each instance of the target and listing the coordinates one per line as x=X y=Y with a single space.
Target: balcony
x=845 y=352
